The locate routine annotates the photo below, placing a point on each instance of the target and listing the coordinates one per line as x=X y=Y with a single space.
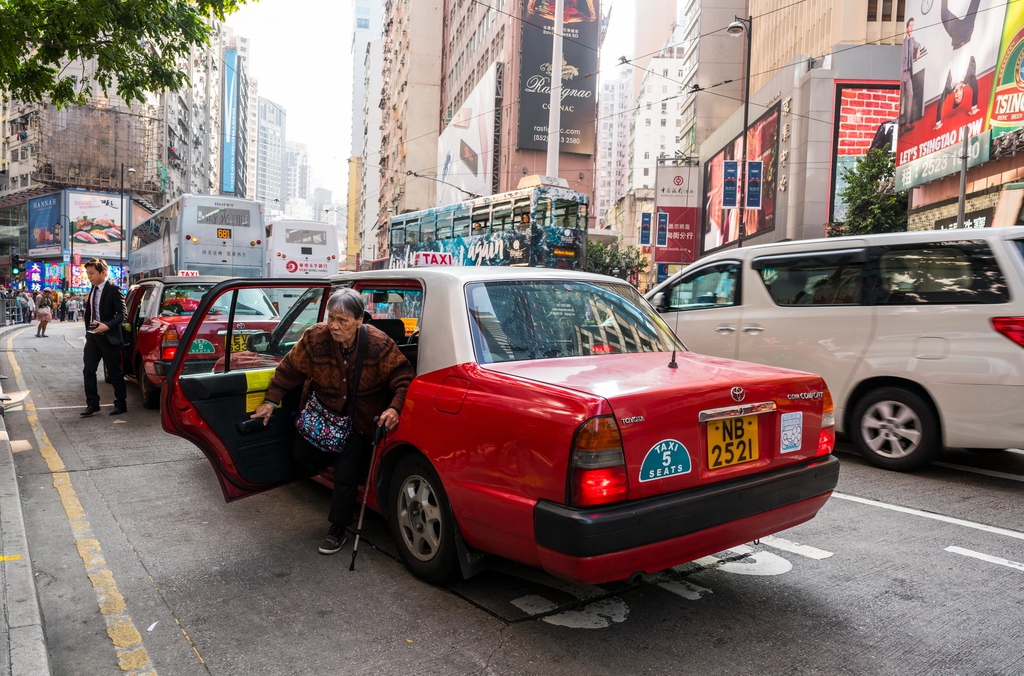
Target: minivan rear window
x=944 y=273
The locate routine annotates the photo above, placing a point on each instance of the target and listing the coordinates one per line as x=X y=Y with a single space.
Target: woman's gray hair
x=348 y=301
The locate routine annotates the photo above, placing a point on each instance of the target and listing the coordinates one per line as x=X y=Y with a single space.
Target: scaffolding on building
x=85 y=147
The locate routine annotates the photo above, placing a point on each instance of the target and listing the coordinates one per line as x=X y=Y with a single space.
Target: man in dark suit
x=104 y=315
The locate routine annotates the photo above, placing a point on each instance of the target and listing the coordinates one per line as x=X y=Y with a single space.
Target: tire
x=150 y=394
x=425 y=537
x=895 y=429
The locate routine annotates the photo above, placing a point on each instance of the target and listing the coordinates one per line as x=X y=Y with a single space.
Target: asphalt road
x=143 y=568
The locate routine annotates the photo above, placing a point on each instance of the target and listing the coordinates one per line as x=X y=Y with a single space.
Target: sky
x=301 y=54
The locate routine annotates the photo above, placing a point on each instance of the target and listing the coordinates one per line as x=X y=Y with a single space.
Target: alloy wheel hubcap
x=419 y=518
x=891 y=429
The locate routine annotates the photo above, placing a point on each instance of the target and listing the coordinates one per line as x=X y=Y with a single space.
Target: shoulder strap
x=360 y=354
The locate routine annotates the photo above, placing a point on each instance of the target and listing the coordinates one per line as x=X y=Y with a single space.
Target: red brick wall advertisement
x=865 y=118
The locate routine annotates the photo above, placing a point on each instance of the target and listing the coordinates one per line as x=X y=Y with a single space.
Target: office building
x=270 y=156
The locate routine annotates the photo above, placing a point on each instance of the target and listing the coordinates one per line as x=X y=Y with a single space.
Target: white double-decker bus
x=301 y=249
x=206 y=234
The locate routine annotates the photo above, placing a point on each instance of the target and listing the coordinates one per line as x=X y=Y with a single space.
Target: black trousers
x=350 y=468
x=97 y=348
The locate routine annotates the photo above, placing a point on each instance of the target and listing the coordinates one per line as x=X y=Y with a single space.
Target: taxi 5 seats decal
x=666 y=458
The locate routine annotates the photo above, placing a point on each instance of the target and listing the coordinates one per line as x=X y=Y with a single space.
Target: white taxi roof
x=445 y=338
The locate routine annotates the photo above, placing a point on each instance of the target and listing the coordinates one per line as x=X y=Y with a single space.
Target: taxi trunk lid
x=658 y=410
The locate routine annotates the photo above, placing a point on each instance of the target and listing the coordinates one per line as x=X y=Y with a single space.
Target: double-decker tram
x=539 y=226
x=210 y=235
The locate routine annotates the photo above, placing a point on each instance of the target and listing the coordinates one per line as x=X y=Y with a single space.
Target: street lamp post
x=120 y=257
x=735 y=29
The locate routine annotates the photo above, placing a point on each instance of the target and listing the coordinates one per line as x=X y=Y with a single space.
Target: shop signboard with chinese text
x=676 y=201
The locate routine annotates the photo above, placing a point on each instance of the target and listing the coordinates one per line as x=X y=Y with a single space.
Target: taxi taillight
x=827 y=436
x=597 y=468
x=169 y=344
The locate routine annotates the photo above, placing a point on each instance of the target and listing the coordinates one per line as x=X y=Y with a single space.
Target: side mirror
x=658 y=301
x=259 y=342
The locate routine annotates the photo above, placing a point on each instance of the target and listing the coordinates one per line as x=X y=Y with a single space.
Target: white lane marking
x=597 y=615
x=929 y=515
x=57 y=408
x=153 y=626
x=1018 y=451
x=976 y=470
x=687 y=590
x=795 y=548
x=986 y=557
x=757 y=563
x=533 y=604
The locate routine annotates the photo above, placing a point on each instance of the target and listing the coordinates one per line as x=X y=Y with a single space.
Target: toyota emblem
x=737 y=394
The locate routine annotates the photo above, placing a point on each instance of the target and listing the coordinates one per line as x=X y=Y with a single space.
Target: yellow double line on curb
x=131 y=653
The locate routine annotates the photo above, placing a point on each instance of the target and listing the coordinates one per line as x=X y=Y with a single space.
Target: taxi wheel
x=150 y=394
x=421 y=520
x=895 y=429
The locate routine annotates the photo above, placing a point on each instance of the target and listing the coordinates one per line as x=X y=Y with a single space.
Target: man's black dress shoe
x=118 y=411
x=89 y=410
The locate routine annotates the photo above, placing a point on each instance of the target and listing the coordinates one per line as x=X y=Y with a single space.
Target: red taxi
x=159 y=309
x=554 y=420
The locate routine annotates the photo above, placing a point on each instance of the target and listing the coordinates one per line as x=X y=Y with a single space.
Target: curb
x=27 y=650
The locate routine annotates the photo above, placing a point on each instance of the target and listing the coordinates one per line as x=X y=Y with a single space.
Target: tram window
x=427 y=224
x=412 y=232
x=482 y=220
x=521 y=214
x=397 y=235
x=462 y=225
x=543 y=216
x=501 y=219
x=566 y=214
x=444 y=226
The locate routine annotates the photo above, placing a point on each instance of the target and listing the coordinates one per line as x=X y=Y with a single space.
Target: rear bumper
x=656 y=533
x=161 y=367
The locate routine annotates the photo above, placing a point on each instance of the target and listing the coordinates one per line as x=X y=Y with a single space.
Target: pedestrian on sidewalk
x=44 y=312
x=30 y=304
x=73 y=307
x=62 y=309
x=104 y=316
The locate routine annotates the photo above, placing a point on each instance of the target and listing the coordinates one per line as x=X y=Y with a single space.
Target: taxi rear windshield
x=515 y=321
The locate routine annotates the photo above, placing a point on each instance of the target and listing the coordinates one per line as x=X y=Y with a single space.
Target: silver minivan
x=920 y=336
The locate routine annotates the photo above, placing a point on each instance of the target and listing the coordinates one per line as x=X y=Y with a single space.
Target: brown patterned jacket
x=316 y=362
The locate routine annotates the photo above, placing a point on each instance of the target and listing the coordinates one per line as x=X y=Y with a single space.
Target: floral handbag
x=324 y=429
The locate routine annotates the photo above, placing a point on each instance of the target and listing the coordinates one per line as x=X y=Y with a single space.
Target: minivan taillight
x=1011 y=327
x=169 y=344
x=597 y=467
x=827 y=436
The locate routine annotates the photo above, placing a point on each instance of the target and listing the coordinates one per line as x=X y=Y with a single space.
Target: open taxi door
x=220 y=372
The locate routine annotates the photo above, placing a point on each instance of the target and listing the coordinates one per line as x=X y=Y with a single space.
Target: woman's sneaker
x=334 y=541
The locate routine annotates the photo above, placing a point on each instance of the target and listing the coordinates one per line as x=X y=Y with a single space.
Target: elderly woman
x=324 y=360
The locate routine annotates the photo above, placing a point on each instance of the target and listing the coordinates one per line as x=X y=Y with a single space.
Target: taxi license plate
x=239 y=343
x=732 y=441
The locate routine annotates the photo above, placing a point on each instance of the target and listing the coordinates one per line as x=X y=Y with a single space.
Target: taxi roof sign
x=424 y=258
x=188 y=273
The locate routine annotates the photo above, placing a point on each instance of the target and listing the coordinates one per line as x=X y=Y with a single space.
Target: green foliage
x=608 y=259
x=872 y=203
x=133 y=45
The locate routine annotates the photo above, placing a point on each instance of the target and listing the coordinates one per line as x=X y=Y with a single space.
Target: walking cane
x=379 y=434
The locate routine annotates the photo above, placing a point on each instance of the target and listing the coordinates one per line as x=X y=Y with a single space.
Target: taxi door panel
x=222 y=369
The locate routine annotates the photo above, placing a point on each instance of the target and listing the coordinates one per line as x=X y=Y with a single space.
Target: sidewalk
x=21 y=634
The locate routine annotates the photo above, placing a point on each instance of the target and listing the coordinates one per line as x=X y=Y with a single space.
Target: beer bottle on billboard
x=1006 y=106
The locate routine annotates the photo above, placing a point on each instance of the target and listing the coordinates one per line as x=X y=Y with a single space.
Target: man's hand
x=388 y=419
x=101 y=328
x=264 y=410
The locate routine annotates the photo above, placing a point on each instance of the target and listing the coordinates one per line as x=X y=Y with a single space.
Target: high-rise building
x=654 y=23
x=321 y=198
x=296 y=164
x=367 y=27
x=410 y=91
x=615 y=108
x=363 y=217
x=252 y=133
x=270 y=159
x=783 y=29
x=495 y=81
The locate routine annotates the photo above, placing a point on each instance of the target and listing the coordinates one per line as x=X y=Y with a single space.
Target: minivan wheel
x=421 y=521
x=895 y=429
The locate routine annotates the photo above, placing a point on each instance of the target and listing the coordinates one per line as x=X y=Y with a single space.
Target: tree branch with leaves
x=872 y=203
x=132 y=46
